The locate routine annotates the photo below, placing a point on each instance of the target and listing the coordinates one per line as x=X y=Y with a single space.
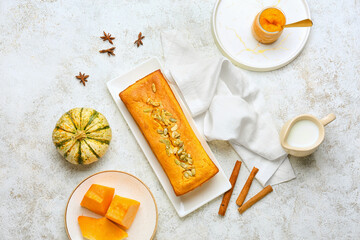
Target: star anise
x=138 y=42
x=109 y=51
x=82 y=78
x=107 y=36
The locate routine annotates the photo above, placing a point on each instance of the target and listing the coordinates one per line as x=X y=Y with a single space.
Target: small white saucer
x=231 y=27
x=126 y=185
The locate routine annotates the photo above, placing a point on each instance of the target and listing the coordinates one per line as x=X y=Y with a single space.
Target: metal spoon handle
x=302 y=23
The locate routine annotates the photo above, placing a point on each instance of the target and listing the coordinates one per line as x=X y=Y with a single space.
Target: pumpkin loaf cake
x=161 y=120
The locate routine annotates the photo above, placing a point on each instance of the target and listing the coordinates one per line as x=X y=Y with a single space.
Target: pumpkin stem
x=80 y=135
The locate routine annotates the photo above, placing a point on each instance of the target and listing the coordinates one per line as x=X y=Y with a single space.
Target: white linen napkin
x=225 y=106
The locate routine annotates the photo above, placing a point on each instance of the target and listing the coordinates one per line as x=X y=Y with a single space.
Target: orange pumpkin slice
x=123 y=211
x=98 y=199
x=100 y=229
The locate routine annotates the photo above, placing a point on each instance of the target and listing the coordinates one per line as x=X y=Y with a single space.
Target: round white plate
x=126 y=185
x=231 y=27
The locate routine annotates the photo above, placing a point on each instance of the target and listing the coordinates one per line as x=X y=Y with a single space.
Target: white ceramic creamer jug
x=302 y=135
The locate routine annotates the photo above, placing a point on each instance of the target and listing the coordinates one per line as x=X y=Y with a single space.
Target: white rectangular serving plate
x=188 y=202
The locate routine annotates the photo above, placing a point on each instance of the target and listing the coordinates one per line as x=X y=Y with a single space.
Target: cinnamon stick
x=268 y=189
x=227 y=195
x=240 y=200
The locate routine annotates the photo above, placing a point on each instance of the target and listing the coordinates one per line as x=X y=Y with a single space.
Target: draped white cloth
x=226 y=106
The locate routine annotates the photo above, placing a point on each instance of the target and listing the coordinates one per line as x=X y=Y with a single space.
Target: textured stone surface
x=44 y=44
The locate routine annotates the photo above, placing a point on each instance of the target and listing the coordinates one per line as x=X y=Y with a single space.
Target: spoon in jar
x=302 y=23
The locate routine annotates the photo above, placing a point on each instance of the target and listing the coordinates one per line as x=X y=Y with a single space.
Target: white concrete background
x=44 y=44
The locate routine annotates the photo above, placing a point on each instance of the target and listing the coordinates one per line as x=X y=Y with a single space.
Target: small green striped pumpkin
x=82 y=135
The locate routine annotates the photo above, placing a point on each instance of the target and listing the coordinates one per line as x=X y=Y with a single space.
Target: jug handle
x=328 y=119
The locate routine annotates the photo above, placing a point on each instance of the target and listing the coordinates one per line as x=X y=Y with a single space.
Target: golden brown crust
x=136 y=99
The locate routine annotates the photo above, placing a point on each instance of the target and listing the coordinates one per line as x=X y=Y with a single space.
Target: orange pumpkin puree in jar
x=272 y=20
x=268 y=25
